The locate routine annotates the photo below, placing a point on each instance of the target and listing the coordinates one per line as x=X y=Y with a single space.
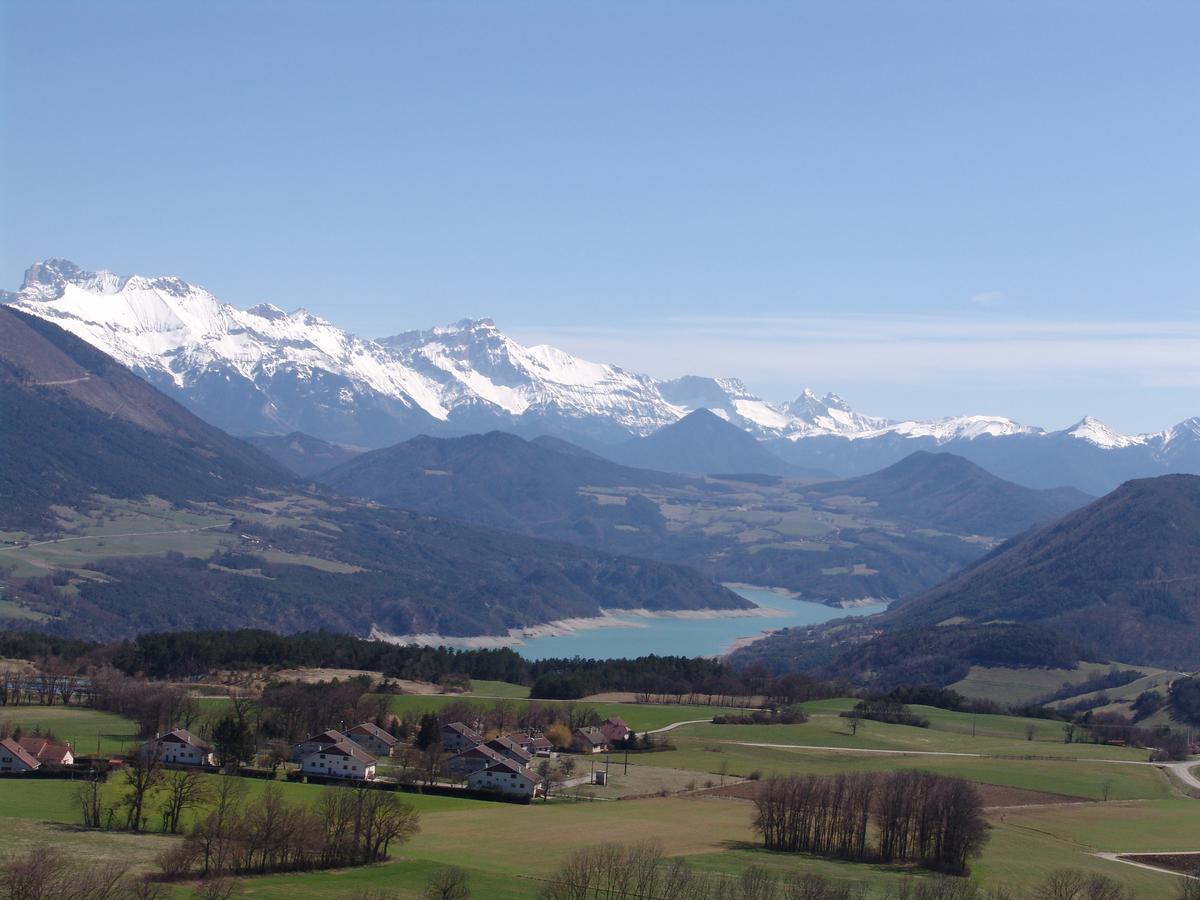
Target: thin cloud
x=988 y=298
x=895 y=349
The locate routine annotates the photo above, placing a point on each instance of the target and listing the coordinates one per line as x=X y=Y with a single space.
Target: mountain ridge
x=267 y=371
x=174 y=524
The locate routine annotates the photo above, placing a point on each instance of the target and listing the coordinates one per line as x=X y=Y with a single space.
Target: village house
x=373 y=739
x=316 y=742
x=615 y=730
x=456 y=736
x=179 y=748
x=589 y=740
x=345 y=759
x=15 y=758
x=507 y=778
x=472 y=760
x=540 y=746
x=46 y=753
x=510 y=749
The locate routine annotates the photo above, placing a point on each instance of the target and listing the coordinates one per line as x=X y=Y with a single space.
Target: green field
x=87 y=730
x=639 y=716
x=1016 y=686
x=511 y=848
x=508 y=850
x=503 y=689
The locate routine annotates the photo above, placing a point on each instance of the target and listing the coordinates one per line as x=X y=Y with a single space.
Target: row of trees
x=178 y=655
x=929 y=819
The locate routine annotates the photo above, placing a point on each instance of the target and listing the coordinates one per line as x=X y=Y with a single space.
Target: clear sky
x=931 y=208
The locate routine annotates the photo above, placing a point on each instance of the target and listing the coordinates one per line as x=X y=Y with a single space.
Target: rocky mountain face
x=265 y=371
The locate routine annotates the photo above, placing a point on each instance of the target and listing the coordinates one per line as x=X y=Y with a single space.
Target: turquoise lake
x=687 y=637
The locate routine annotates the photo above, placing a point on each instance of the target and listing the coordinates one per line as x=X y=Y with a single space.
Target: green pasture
x=1087 y=780
x=1008 y=685
x=505 y=689
x=639 y=716
x=84 y=729
x=947 y=732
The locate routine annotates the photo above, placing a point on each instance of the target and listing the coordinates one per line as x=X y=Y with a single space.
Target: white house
x=181 y=748
x=15 y=758
x=507 y=778
x=46 y=753
x=373 y=739
x=317 y=742
x=344 y=759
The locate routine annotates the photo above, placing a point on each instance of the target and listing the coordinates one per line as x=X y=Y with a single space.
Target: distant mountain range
x=880 y=537
x=265 y=371
x=123 y=512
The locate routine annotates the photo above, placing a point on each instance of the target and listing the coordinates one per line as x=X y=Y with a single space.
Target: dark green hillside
x=417 y=575
x=242 y=541
x=499 y=480
x=1122 y=573
x=76 y=423
x=302 y=453
x=949 y=493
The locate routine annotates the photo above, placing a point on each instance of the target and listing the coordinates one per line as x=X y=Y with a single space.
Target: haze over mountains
x=876 y=538
x=265 y=371
x=123 y=512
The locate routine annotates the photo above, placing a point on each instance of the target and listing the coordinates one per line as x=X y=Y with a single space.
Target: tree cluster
x=344 y=828
x=929 y=819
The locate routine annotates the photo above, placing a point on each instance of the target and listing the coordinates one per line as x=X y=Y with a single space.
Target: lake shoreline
x=610 y=618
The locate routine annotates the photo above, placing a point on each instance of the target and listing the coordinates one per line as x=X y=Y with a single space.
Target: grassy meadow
x=509 y=850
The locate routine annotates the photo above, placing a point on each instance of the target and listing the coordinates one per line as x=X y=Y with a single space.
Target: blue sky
x=931 y=208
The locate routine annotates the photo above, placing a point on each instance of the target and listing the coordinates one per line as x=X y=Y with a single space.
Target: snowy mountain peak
x=266 y=370
x=1096 y=432
x=267 y=311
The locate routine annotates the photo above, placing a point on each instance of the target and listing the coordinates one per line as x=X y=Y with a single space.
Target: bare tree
x=182 y=790
x=449 y=883
x=217 y=889
x=142 y=776
x=89 y=796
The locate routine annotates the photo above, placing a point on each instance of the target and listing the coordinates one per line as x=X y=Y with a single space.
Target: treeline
x=1114 y=677
x=186 y=654
x=932 y=820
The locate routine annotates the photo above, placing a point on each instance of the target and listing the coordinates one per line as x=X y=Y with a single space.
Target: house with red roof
x=47 y=753
x=15 y=758
x=180 y=748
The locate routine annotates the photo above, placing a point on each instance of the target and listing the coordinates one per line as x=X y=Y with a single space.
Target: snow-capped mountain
x=266 y=371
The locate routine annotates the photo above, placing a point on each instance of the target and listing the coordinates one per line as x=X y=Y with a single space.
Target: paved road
x=1116 y=857
x=93 y=537
x=1185 y=772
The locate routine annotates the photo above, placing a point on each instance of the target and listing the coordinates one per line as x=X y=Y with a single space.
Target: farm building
x=46 y=753
x=373 y=739
x=179 y=747
x=15 y=758
x=344 y=759
x=505 y=777
x=456 y=736
x=589 y=740
x=316 y=742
